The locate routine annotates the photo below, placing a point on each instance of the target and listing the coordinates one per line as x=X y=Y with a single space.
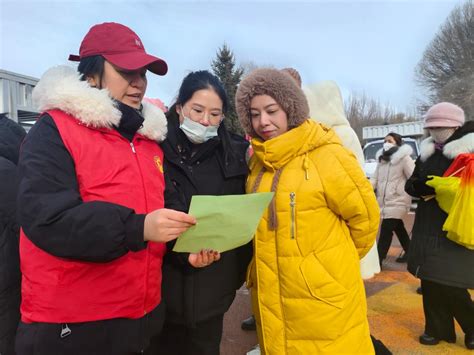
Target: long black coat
x=216 y=167
x=11 y=135
x=432 y=256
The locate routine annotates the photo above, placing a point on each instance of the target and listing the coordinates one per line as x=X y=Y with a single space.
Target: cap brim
x=137 y=60
x=74 y=58
x=441 y=122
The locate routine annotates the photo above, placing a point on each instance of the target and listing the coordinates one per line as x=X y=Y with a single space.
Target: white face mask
x=387 y=146
x=441 y=135
x=196 y=132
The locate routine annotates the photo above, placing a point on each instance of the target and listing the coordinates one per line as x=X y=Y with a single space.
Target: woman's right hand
x=204 y=258
x=164 y=225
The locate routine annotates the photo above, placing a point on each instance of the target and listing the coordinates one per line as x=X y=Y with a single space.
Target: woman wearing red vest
x=91 y=204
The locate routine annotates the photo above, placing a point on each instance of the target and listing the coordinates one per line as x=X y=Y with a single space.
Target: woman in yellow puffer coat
x=307 y=292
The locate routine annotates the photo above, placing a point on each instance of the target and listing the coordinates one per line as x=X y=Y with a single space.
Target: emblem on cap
x=138 y=43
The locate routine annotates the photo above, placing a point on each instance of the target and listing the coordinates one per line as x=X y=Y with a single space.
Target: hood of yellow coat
x=277 y=152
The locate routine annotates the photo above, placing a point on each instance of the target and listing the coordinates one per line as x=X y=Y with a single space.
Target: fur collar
x=462 y=145
x=427 y=148
x=451 y=150
x=402 y=152
x=61 y=88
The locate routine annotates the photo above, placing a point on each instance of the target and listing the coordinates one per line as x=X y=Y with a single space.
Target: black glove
x=421 y=188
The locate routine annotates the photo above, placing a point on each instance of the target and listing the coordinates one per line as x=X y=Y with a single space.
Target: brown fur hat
x=281 y=87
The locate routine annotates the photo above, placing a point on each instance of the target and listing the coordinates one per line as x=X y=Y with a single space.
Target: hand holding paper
x=223 y=222
x=164 y=225
x=204 y=258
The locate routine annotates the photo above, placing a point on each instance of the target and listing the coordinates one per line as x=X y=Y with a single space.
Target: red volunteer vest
x=58 y=290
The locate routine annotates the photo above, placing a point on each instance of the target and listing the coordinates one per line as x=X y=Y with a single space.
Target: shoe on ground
x=419 y=290
x=248 y=324
x=402 y=258
x=469 y=341
x=426 y=339
x=254 y=351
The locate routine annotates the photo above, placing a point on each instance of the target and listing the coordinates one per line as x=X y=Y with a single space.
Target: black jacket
x=11 y=136
x=432 y=256
x=216 y=167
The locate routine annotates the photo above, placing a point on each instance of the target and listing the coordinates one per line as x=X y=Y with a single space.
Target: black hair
x=398 y=138
x=91 y=66
x=200 y=80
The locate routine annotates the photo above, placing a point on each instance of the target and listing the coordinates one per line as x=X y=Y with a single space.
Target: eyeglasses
x=197 y=113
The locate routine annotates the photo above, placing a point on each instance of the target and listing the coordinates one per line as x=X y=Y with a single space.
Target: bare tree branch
x=362 y=111
x=447 y=66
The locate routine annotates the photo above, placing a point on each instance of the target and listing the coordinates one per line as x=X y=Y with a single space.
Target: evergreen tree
x=224 y=68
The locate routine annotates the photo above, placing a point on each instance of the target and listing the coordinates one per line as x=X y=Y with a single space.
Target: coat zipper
x=147 y=254
x=293 y=214
x=385 y=191
x=65 y=330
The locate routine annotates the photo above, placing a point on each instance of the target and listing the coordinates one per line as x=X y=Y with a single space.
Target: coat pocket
x=321 y=284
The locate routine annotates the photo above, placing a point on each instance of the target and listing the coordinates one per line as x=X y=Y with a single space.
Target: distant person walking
x=393 y=170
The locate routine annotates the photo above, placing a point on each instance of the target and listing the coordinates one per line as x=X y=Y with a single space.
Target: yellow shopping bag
x=446 y=189
x=460 y=221
x=455 y=196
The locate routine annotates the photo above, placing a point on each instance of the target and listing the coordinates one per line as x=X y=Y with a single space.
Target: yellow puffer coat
x=307 y=292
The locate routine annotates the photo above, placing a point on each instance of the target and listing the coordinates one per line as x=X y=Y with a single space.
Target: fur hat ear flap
x=294 y=74
x=281 y=87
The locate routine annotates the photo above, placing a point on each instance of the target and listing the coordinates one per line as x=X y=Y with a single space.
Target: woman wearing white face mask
x=444 y=267
x=394 y=168
x=201 y=158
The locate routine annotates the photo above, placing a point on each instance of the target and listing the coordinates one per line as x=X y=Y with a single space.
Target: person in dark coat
x=444 y=267
x=201 y=158
x=11 y=136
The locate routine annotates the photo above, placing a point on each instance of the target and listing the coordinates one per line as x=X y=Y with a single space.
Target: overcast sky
x=365 y=46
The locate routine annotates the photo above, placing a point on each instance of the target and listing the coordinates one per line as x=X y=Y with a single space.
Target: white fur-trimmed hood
x=465 y=144
x=61 y=88
x=402 y=152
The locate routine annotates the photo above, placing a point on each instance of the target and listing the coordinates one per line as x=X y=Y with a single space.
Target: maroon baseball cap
x=120 y=46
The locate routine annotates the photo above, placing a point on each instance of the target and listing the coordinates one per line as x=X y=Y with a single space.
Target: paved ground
x=395 y=313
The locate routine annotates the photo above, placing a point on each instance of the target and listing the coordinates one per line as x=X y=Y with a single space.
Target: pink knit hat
x=444 y=114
